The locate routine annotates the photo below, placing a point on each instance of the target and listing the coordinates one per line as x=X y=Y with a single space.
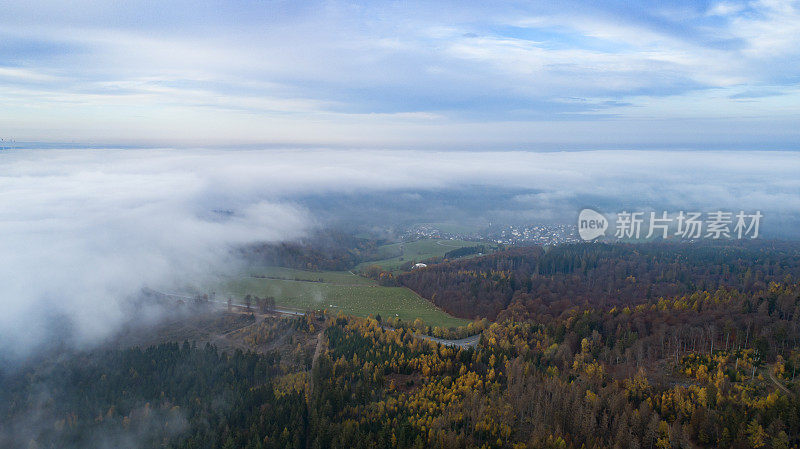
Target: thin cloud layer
x=83 y=230
x=496 y=75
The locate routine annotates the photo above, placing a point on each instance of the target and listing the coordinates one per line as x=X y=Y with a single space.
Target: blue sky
x=487 y=75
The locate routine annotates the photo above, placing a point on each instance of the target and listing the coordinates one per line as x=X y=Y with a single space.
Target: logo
x=591 y=224
x=684 y=225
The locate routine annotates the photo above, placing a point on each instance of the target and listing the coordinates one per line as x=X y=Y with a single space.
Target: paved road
x=469 y=342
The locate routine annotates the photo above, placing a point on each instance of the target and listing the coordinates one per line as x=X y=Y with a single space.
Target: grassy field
x=397 y=254
x=339 y=291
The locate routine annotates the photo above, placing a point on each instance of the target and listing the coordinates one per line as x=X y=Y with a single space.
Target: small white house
x=420 y=265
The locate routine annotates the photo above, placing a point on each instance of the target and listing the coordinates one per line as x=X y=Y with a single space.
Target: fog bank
x=82 y=230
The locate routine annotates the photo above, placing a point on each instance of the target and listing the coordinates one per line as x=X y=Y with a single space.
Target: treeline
x=168 y=395
x=599 y=275
x=563 y=384
x=330 y=250
x=767 y=322
x=383 y=277
x=465 y=251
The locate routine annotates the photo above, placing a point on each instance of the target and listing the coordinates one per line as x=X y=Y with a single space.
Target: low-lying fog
x=81 y=230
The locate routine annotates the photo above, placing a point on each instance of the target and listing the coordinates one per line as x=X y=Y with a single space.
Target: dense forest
x=572 y=383
x=680 y=347
x=550 y=282
x=579 y=381
x=145 y=398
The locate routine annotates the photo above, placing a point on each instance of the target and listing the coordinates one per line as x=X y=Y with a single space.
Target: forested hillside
x=629 y=347
x=576 y=382
x=589 y=379
x=548 y=283
x=169 y=395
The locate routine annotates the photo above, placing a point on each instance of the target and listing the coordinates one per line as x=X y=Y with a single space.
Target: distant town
x=536 y=234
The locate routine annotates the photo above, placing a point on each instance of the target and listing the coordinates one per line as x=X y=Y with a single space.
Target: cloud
x=82 y=230
x=258 y=72
x=85 y=230
x=725 y=9
x=759 y=93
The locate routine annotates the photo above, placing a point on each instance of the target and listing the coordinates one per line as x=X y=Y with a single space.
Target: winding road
x=469 y=342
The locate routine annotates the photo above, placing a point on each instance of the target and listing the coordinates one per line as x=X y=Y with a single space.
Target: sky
x=426 y=75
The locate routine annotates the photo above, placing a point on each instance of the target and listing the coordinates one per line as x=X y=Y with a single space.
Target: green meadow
x=396 y=254
x=335 y=291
